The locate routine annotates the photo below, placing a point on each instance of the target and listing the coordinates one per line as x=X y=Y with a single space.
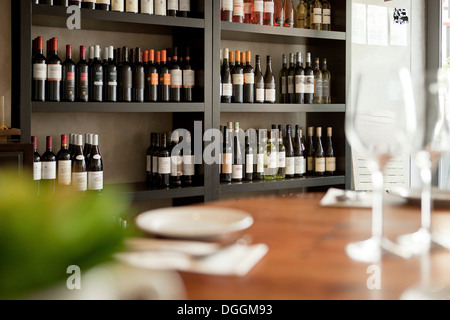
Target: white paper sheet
x=398 y=32
x=377 y=25
x=359 y=23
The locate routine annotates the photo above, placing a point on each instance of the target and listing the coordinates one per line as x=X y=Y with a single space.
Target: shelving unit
x=207 y=32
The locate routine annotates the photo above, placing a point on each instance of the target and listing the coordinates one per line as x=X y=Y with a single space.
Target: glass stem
x=377 y=205
x=426 y=175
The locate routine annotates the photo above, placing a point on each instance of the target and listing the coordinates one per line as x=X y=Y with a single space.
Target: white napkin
x=346 y=198
x=236 y=259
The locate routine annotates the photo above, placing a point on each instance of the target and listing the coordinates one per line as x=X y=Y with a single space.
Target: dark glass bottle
x=249 y=80
x=281 y=155
x=237 y=170
x=152 y=78
x=87 y=145
x=176 y=170
x=48 y=160
x=149 y=160
x=330 y=159
x=309 y=80
x=188 y=77
x=310 y=154
x=290 y=153
x=39 y=72
x=283 y=80
x=299 y=153
x=111 y=77
x=299 y=80
x=154 y=154
x=164 y=163
x=184 y=9
x=95 y=168
x=164 y=78
x=88 y=4
x=73 y=3
x=227 y=154
x=96 y=74
x=319 y=156
x=176 y=75
x=269 y=83
x=249 y=161
x=258 y=172
x=238 y=80
x=138 y=77
x=37 y=166
x=227 y=83
x=103 y=5
x=259 y=82
x=291 y=79
x=82 y=75
x=79 y=168
x=227 y=10
x=188 y=161
x=68 y=67
x=54 y=73
x=126 y=77
x=172 y=8
x=64 y=164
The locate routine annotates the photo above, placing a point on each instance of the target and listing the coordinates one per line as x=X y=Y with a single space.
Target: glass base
x=371 y=250
x=421 y=241
x=426 y=292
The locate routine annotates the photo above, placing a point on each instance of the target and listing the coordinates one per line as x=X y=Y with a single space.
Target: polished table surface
x=307 y=260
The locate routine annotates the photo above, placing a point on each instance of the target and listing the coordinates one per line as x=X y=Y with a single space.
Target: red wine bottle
x=138 y=77
x=54 y=73
x=68 y=76
x=149 y=176
x=152 y=78
x=227 y=10
x=96 y=74
x=111 y=77
x=126 y=77
x=37 y=165
x=88 y=4
x=48 y=160
x=95 y=167
x=103 y=5
x=188 y=78
x=164 y=78
x=176 y=170
x=82 y=75
x=155 y=154
x=79 y=169
x=39 y=72
x=176 y=75
x=164 y=163
x=64 y=164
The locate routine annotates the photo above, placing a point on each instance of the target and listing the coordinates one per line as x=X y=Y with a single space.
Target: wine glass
x=376 y=125
x=430 y=140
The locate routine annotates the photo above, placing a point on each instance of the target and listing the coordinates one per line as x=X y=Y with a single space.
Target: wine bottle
x=259 y=82
x=281 y=157
x=227 y=10
x=302 y=14
x=176 y=75
x=248 y=158
x=310 y=152
x=37 y=165
x=227 y=84
x=54 y=73
x=237 y=173
x=73 y=3
x=330 y=159
x=238 y=11
x=270 y=157
x=319 y=156
x=326 y=83
x=184 y=8
x=149 y=175
x=290 y=153
x=132 y=6
x=316 y=15
x=248 y=4
x=164 y=163
x=291 y=79
x=188 y=161
x=39 y=72
x=249 y=80
x=283 y=80
x=188 y=78
x=95 y=168
x=259 y=163
x=79 y=169
x=88 y=4
x=238 y=80
x=68 y=87
x=309 y=80
x=82 y=77
x=111 y=77
x=105 y=57
x=269 y=10
x=138 y=77
x=103 y=5
x=87 y=145
x=164 y=78
x=160 y=8
x=176 y=170
x=48 y=160
x=289 y=14
x=172 y=8
x=279 y=13
x=117 y=5
x=96 y=74
x=126 y=77
x=269 y=83
x=258 y=12
x=299 y=80
x=64 y=163
x=71 y=145
x=326 y=15
x=152 y=79
x=299 y=153
x=147 y=6
x=154 y=155
x=318 y=83
x=227 y=154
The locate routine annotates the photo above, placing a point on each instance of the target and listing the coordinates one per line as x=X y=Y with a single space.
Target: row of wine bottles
x=73 y=165
x=275 y=154
x=170 y=162
x=241 y=83
x=174 y=8
x=127 y=75
x=309 y=14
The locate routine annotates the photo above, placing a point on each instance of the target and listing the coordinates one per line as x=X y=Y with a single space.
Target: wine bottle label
x=310 y=164
x=249 y=163
x=154 y=164
x=104 y=1
x=227 y=161
x=238 y=8
x=330 y=164
x=227 y=89
x=283 y=85
x=260 y=95
x=290 y=165
x=258 y=6
x=167 y=79
x=185 y=5
x=238 y=79
x=164 y=165
x=309 y=84
x=176 y=166
x=299 y=84
x=237 y=171
x=160 y=8
x=300 y=165
x=188 y=79
x=188 y=165
x=281 y=159
x=291 y=84
x=139 y=81
x=270 y=95
x=79 y=157
x=98 y=78
x=39 y=71
x=260 y=162
x=132 y=6
x=319 y=165
x=54 y=72
x=91 y=1
x=127 y=80
x=79 y=181
x=149 y=163
x=154 y=79
x=326 y=16
x=97 y=157
x=272 y=159
x=177 y=78
x=37 y=170
x=69 y=76
x=249 y=78
x=326 y=87
x=64 y=172
x=318 y=88
x=172 y=4
x=269 y=7
x=95 y=180
x=117 y=5
x=48 y=170
x=112 y=79
x=317 y=15
x=147 y=6
x=247 y=8
x=227 y=5
x=84 y=78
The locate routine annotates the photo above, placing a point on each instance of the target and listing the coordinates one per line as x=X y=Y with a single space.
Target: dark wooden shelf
x=261 y=107
x=99 y=107
x=253 y=186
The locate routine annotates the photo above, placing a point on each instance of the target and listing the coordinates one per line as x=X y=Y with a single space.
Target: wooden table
x=307 y=259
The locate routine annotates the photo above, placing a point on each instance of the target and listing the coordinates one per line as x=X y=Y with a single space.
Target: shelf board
x=39 y=10
x=257 y=33
x=138 y=191
x=261 y=107
x=99 y=107
x=254 y=186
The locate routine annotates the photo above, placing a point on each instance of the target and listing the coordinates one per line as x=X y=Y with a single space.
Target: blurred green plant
x=446 y=66
x=41 y=236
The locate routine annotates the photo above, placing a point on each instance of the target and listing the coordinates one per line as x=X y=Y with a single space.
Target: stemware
x=376 y=126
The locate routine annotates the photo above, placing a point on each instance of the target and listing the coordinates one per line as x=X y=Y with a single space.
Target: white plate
x=193 y=222
x=440 y=198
